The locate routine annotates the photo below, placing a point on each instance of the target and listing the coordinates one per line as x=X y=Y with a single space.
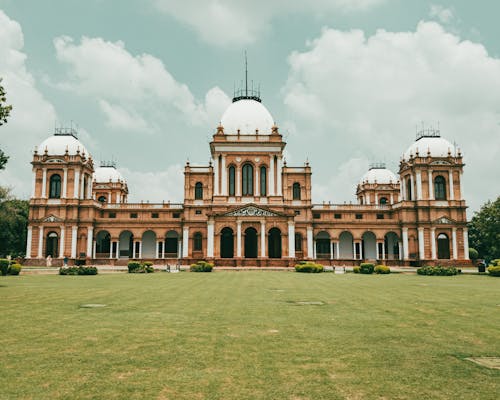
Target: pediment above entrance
x=443 y=220
x=251 y=211
x=52 y=218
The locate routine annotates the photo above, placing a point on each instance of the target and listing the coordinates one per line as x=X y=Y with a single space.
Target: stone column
x=44 y=183
x=82 y=181
x=223 y=173
x=163 y=249
x=400 y=248
x=278 y=177
x=257 y=186
x=419 y=185
x=61 y=243
x=210 y=238
x=140 y=248
x=33 y=186
x=185 y=242
x=74 y=233
x=117 y=198
x=450 y=178
x=465 y=234
x=383 y=251
x=331 y=249
x=337 y=249
x=310 y=244
x=421 y=244
x=179 y=248
x=433 y=243
x=314 y=249
x=40 y=242
x=392 y=198
x=402 y=189
x=431 y=185
x=28 y=241
x=360 y=249
x=376 y=198
x=354 y=249
x=263 y=239
x=111 y=249
x=65 y=183
x=412 y=184
x=238 y=238
x=76 y=184
x=291 y=239
x=454 y=242
x=405 y=243
x=377 y=253
x=367 y=198
x=89 y=188
x=271 y=176
x=90 y=239
x=157 y=252
x=109 y=197
x=216 y=175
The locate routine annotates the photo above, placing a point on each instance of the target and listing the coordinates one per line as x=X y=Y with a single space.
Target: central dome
x=379 y=175
x=107 y=174
x=57 y=145
x=247 y=116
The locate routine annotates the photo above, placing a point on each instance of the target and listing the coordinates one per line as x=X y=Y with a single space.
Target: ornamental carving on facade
x=251 y=212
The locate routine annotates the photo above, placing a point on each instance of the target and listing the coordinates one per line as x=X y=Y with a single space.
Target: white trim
x=310 y=248
x=90 y=233
x=76 y=184
x=61 y=243
x=210 y=238
x=419 y=185
x=421 y=248
x=28 y=241
x=74 y=233
x=238 y=239
x=405 y=243
x=270 y=192
x=450 y=179
x=44 y=183
x=219 y=148
x=433 y=243
x=465 y=234
x=291 y=239
x=262 y=239
x=454 y=242
x=431 y=185
x=185 y=242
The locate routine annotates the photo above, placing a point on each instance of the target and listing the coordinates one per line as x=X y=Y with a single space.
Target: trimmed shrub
x=14 y=269
x=201 y=266
x=495 y=262
x=437 y=270
x=356 y=269
x=78 y=270
x=134 y=267
x=309 y=267
x=4 y=266
x=494 y=270
x=366 y=268
x=473 y=254
x=382 y=269
x=148 y=267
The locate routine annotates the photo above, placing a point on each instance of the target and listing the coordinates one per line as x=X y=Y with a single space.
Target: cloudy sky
x=347 y=81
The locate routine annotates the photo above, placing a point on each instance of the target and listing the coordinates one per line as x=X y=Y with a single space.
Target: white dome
x=438 y=147
x=56 y=146
x=106 y=174
x=379 y=175
x=247 y=116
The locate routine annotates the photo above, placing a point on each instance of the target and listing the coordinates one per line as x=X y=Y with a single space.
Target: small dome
x=56 y=145
x=379 y=175
x=436 y=145
x=247 y=116
x=106 y=174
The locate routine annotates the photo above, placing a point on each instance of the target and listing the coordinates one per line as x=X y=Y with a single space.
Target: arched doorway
x=103 y=244
x=171 y=244
x=126 y=244
x=443 y=245
x=369 y=246
x=149 y=244
x=250 y=243
x=52 y=245
x=391 y=246
x=227 y=243
x=345 y=245
x=323 y=245
x=274 y=243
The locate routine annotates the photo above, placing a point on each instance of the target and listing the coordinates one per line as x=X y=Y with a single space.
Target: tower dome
x=378 y=173
x=430 y=141
x=247 y=117
x=57 y=144
x=107 y=173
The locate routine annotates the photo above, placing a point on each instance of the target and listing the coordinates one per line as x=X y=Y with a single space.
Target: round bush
x=356 y=269
x=15 y=269
x=494 y=270
x=382 y=269
x=366 y=268
x=4 y=266
x=473 y=254
x=309 y=267
x=134 y=267
x=201 y=266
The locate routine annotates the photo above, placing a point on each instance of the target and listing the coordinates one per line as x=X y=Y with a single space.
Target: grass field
x=248 y=335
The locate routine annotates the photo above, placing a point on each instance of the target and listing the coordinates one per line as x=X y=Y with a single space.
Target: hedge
x=366 y=268
x=4 y=266
x=494 y=270
x=437 y=270
x=135 y=267
x=81 y=270
x=382 y=269
x=309 y=267
x=201 y=266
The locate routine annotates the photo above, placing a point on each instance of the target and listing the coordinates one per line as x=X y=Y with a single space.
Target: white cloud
x=32 y=117
x=133 y=92
x=361 y=97
x=443 y=14
x=239 y=22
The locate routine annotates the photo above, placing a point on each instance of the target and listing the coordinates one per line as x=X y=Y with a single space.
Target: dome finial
x=244 y=92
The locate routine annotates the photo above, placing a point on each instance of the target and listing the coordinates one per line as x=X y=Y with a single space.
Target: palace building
x=248 y=207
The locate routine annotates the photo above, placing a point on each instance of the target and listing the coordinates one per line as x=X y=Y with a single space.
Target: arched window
x=232 y=173
x=198 y=191
x=408 y=189
x=197 y=242
x=296 y=191
x=443 y=246
x=102 y=199
x=383 y=200
x=247 y=180
x=263 y=181
x=440 y=188
x=298 y=242
x=55 y=186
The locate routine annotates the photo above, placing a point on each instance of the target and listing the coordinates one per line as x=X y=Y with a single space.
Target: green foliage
x=382 y=269
x=473 y=254
x=484 y=230
x=13 y=224
x=495 y=262
x=4 y=266
x=356 y=269
x=81 y=270
x=135 y=267
x=4 y=108
x=14 y=269
x=494 y=270
x=366 y=268
x=309 y=267
x=437 y=270
x=201 y=266
x=3 y=159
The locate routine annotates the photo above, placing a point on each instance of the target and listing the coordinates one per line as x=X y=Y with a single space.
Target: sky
x=347 y=81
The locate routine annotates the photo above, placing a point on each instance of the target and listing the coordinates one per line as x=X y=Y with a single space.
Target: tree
x=4 y=113
x=13 y=224
x=484 y=230
x=3 y=159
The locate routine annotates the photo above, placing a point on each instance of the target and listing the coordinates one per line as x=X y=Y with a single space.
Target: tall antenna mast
x=246 y=74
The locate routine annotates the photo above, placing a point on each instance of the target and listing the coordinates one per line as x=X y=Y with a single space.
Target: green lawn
x=242 y=335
